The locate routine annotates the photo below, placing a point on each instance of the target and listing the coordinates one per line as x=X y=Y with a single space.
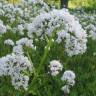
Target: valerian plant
x=30 y=30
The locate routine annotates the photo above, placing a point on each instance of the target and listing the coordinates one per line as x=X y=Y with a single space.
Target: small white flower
x=20 y=29
x=9 y=42
x=2 y=28
x=55 y=67
x=69 y=77
x=18 y=50
x=25 y=41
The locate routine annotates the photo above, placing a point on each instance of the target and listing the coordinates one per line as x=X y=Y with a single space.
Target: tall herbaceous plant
x=30 y=30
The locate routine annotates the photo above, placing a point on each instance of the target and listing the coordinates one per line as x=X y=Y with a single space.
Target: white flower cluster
x=55 y=67
x=25 y=41
x=88 y=21
x=9 y=42
x=21 y=29
x=14 y=65
x=18 y=50
x=2 y=28
x=33 y=18
x=17 y=16
x=69 y=78
x=68 y=29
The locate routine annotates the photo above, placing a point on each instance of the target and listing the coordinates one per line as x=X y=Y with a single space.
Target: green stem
x=39 y=69
x=46 y=51
x=35 y=73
